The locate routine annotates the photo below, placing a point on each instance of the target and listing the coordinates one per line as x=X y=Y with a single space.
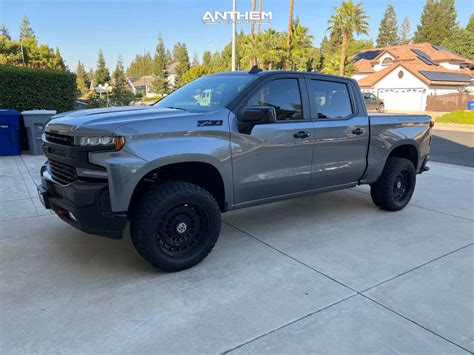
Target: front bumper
x=84 y=205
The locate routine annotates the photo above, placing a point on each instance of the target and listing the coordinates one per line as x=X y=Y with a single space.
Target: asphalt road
x=453 y=147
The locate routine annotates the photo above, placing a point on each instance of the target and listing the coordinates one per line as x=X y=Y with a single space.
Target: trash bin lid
x=39 y=112
x=9 y=113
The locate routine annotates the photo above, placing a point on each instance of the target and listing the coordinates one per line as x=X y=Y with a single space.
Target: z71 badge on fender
x=207 y=123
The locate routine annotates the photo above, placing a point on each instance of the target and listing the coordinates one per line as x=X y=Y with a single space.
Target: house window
x=387 y=61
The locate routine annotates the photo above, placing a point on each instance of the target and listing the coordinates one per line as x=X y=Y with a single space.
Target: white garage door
x=402 y=99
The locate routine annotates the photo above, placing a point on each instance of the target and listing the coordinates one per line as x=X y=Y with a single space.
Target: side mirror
x=254 y=115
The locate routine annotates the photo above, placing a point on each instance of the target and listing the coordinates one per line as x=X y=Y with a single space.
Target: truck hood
x=107 y=120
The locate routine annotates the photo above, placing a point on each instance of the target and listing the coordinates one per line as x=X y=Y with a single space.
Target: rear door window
x=331 y=99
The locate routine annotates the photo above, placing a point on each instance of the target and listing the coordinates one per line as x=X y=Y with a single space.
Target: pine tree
x=81 y=79
x=140 y=66
x=102 y=74
x=206 y=58
x=388 y=29
x=4 y=32
x=121 y=94
x=195 y=60
x=404 y=36
x=25 y=29
x=470 y=24
x=181 y=57
x=461 y=42
x=438 y=22
x=160 y=69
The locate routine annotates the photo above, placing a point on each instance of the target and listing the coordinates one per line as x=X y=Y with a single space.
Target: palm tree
x=349 y=18
x=252 y=23
x=260 y=9
x=272 y=46
x=290 y=22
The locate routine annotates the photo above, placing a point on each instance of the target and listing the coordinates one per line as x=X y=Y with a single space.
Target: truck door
x=274 y=159
x=341 y=133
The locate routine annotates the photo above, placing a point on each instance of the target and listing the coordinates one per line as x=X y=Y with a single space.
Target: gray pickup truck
x=223 y=142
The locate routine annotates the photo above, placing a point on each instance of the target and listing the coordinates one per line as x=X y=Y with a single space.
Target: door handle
x=357 y=131
x=302 y=135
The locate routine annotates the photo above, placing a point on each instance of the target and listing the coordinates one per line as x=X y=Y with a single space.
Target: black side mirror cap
x=258 y=115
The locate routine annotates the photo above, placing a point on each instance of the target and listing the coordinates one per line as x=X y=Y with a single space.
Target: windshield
x=208 y=93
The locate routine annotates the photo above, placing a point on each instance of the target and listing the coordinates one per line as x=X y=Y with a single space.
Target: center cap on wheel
x=181 y=227
x=399 y=184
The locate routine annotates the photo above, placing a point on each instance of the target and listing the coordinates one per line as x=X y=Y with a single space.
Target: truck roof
x=262 y=73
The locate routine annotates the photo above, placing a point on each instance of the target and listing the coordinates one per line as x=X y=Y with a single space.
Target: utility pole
x=234 y=19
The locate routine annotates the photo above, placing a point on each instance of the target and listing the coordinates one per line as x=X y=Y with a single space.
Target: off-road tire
x=155 y=225
x=387 y=191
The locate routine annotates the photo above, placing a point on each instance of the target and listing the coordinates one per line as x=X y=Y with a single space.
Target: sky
x=79 y=28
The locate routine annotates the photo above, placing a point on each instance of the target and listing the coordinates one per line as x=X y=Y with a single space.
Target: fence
x=449 y=102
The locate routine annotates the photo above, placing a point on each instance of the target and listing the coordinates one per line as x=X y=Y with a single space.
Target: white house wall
x=407 y=93
x=359 y=76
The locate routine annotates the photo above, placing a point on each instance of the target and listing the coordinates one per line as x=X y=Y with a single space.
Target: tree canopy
x=102 y=74
x=388 y=29
x=438 y=22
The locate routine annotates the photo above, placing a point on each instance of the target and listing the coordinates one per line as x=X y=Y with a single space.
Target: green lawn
x=461 y=117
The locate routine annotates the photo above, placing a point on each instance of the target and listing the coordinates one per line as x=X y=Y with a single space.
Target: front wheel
x=381 y=108
x=394 y=188
x=175 y=225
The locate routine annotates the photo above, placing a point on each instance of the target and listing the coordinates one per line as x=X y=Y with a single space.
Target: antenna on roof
x=255 y=69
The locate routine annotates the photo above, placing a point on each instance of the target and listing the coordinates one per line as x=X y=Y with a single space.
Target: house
x=405 y=75
x=143 y=84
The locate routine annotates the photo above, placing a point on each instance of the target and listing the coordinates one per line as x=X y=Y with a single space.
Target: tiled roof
x=414 y=68
x=407 y=58
x=364 y=66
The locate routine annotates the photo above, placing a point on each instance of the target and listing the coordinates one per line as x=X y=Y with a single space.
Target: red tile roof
x=405 y=57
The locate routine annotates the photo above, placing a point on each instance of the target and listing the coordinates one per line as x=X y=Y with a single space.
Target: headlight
x=116 y=142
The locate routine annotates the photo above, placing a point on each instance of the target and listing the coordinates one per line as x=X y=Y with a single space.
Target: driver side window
x=283 y=95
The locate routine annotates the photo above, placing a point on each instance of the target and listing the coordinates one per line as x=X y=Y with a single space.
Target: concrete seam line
x=289 y=323
x=416 y=323
x=417 y=267
x=291 y=257
x=423 y=208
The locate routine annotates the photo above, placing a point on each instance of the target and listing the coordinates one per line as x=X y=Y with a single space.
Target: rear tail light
x=431 y=124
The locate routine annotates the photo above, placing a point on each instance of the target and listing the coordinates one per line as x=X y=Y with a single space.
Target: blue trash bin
x=470 y=105
x=9 y=132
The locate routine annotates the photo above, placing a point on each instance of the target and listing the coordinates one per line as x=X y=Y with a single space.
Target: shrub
x=24 y=88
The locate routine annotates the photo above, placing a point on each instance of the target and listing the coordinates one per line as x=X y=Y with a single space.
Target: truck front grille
x=59 y=138
x=62 y=173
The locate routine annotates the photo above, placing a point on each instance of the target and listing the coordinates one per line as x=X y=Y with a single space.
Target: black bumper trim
x=89 y=204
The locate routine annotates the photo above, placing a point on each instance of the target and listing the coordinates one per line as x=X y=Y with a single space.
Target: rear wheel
x=394 y=188
x=175 y=225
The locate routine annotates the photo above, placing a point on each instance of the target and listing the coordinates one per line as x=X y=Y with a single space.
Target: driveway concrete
x=323 y=274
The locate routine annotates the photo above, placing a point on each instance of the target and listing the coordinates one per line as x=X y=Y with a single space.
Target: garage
x=408 y=99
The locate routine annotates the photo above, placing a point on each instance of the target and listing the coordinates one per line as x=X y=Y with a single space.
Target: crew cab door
x=341 y=132
x=273 y=159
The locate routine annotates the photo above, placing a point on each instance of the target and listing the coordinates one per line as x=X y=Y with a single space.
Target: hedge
x=24 y=88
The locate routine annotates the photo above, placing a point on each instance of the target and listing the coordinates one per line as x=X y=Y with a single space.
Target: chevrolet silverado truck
x=223 y=142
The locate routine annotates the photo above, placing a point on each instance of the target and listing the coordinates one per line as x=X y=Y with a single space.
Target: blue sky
x=81 y=27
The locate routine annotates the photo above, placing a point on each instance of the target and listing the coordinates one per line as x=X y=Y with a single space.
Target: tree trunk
x=342 y=65
x=290 y=23
x=260 y=9
x=252 y=23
